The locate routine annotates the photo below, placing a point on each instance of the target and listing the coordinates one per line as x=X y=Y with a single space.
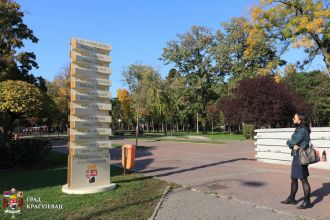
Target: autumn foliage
x=261 y=101
x=302 y=23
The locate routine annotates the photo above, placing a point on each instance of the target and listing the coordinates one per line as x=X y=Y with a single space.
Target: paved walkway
x=186 y=205
x=228 y=171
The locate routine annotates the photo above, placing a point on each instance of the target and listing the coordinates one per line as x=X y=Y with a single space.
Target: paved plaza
x=223 y=180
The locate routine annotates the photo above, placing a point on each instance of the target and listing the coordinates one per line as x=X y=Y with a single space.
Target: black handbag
x=308 y=155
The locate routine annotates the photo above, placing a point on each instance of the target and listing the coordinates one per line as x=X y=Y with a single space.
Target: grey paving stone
x=187 y=205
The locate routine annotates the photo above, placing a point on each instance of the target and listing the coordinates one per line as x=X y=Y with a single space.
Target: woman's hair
x=304 y=120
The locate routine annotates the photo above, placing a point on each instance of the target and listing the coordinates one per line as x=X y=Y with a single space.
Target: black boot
x=305 y=204
x=307 y=194
x=290 y=200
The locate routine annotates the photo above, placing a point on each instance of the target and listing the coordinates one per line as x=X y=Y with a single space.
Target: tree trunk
x=5 y=134
x=172 y=128
x=165 y=130
x=197 y=126
x=137 y=130
x=6 y=127
x=58 y=130
x=326 y=57
x=212 y=125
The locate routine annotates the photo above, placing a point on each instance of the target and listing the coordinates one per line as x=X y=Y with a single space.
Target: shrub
x=22 y=153
x=118 y=133
x=248 y=131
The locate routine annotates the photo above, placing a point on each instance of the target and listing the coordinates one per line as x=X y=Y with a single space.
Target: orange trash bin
x=128 y=150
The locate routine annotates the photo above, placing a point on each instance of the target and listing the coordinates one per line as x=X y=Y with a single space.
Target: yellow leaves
x=303 y=42
x=256 y=35
x=311 y=16
x=256 y=12
x=315 y=25
x=266 y=2
x=304 y=23
x=268 y=69
x=318 y=6
x=64 y=91
x=319 y=21
x=277 y=78
x=290 y=68
x=300 y=23
x=19 y=96
x=322 y=13
x=263 y=21
x=124 y=99
x=122 y=95
x=264 y=72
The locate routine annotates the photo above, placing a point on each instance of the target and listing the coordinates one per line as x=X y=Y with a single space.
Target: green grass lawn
x=46 y=137
x=185 y=140
x=222 y=136
x=216 y=137
x=134 y=198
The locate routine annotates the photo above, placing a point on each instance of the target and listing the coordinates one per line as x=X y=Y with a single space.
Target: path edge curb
x=160 y=202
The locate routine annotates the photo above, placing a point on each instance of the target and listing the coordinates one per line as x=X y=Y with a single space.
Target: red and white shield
x=91 y=173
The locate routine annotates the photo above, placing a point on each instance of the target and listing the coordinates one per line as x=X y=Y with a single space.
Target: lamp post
x=119 y=121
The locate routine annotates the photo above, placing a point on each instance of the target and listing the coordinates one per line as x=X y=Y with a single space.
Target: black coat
x=300 y=137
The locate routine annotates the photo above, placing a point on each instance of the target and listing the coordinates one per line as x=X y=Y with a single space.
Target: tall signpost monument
x=89 y=158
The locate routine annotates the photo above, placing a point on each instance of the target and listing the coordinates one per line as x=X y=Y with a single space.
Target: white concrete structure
x=271 y=145
x=89 y=159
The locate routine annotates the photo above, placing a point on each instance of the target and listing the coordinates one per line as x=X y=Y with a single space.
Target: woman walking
x=300 y=138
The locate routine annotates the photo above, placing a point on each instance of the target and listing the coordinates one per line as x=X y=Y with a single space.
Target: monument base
x=89 y=190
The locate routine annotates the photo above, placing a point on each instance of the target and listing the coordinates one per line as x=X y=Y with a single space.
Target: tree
x=314 y=87
x=212 y=114
x=140 y=80
x=234 y=57
x=125 y=106
x=16 y=99
x=301 y=23
x=167 y=108
x=49 y=111
x=144 y=86
x=15 y=64
x=59 y=92
x=263 y=102
x=116 y=112
x=193 y=57
x=229 y=108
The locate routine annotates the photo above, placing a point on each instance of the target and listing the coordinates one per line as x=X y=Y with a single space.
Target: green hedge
x=248 y=131
x=22 y=153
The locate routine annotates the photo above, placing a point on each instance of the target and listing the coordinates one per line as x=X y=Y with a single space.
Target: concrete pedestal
x=89 y=190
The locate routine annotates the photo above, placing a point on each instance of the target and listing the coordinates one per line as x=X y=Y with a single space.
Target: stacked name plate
x=89 y=159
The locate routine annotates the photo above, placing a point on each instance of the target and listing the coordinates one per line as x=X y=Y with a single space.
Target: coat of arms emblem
x=12 y=201
x=91 y=173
